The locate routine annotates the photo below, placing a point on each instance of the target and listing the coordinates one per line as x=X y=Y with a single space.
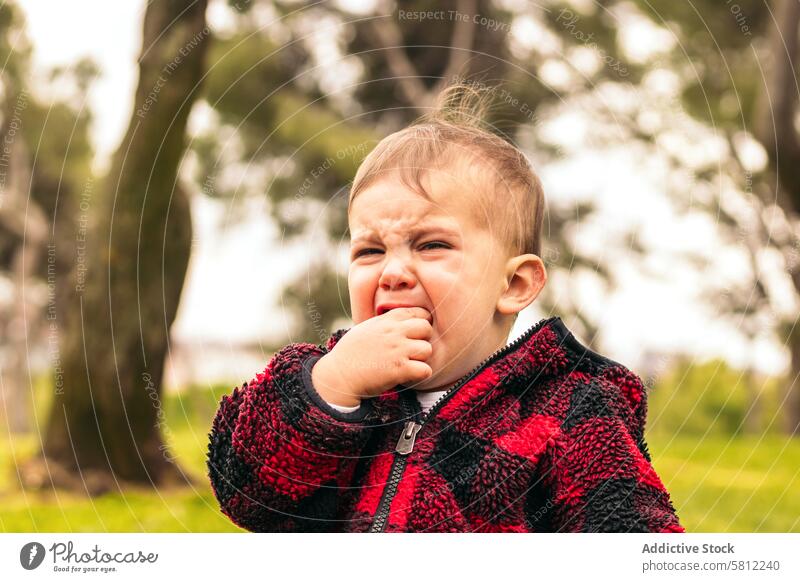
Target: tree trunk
x=775 y=129
x=115 y=319
x=791 y=395
x=23 y=219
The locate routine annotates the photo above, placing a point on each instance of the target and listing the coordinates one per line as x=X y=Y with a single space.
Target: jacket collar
x=540 y=345
x=545 y=349
x=541 y=349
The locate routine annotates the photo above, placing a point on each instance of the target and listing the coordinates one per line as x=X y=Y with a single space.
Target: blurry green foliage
x=712 y=398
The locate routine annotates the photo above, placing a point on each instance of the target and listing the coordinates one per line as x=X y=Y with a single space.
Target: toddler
x=420 y=418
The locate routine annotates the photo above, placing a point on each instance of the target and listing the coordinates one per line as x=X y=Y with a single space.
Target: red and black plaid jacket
x=545 y=435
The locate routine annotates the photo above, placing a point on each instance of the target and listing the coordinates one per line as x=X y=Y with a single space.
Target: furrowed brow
x=366 y=237
x=413 y=233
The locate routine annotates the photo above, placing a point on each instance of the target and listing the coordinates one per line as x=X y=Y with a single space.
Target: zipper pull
x=406 y=443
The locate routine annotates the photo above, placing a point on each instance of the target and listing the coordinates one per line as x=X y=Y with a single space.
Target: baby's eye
x=435 y=244
x=429 y=245
x=365 y=252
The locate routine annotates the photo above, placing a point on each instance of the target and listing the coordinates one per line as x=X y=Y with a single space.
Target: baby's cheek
x=440 y=353
x=361 y=298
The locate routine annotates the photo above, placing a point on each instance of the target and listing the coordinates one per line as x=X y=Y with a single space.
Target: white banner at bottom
x=402 y=557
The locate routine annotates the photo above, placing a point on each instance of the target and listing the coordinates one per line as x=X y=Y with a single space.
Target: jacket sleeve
x=598 y=469
x=279 y=455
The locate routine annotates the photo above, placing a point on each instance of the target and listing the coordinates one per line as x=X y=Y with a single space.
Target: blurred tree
x=121 y=297
x=775 y=119
x=741 y=80
x=40 y=164
x=22 y=233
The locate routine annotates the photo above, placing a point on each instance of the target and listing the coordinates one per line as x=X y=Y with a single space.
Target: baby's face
x=408 y=251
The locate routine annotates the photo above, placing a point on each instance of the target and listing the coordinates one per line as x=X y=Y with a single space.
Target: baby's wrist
x=329 y=385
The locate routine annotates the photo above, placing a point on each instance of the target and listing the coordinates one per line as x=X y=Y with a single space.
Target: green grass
x=185 y=509
x=739 y=484
x=718 y=484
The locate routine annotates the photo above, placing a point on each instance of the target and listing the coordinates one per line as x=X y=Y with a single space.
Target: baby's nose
x=397 y=276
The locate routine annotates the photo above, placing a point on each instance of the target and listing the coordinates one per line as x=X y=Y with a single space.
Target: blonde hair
x=453 y=129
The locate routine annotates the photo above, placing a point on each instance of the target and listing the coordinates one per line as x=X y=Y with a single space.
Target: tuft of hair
x=455 y=136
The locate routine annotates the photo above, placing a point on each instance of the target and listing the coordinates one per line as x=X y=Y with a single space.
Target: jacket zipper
x=405 y=443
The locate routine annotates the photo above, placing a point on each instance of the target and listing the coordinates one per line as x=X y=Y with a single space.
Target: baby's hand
x=376 y=355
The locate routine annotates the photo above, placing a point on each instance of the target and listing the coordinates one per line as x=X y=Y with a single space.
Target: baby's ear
x=525 y=279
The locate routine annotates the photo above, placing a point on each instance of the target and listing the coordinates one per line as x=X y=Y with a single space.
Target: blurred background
x=173 y=192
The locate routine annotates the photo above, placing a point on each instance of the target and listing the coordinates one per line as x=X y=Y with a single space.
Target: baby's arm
x=278 y=454
x=598 y=468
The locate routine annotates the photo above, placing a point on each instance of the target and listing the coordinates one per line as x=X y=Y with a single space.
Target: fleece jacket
x=544 y=436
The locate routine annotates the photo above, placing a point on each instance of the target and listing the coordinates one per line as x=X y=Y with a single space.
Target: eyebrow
x=413 y=233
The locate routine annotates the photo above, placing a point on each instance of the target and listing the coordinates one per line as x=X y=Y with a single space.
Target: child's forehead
x=402 y=216
x=450 y=190
x=463 y=166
